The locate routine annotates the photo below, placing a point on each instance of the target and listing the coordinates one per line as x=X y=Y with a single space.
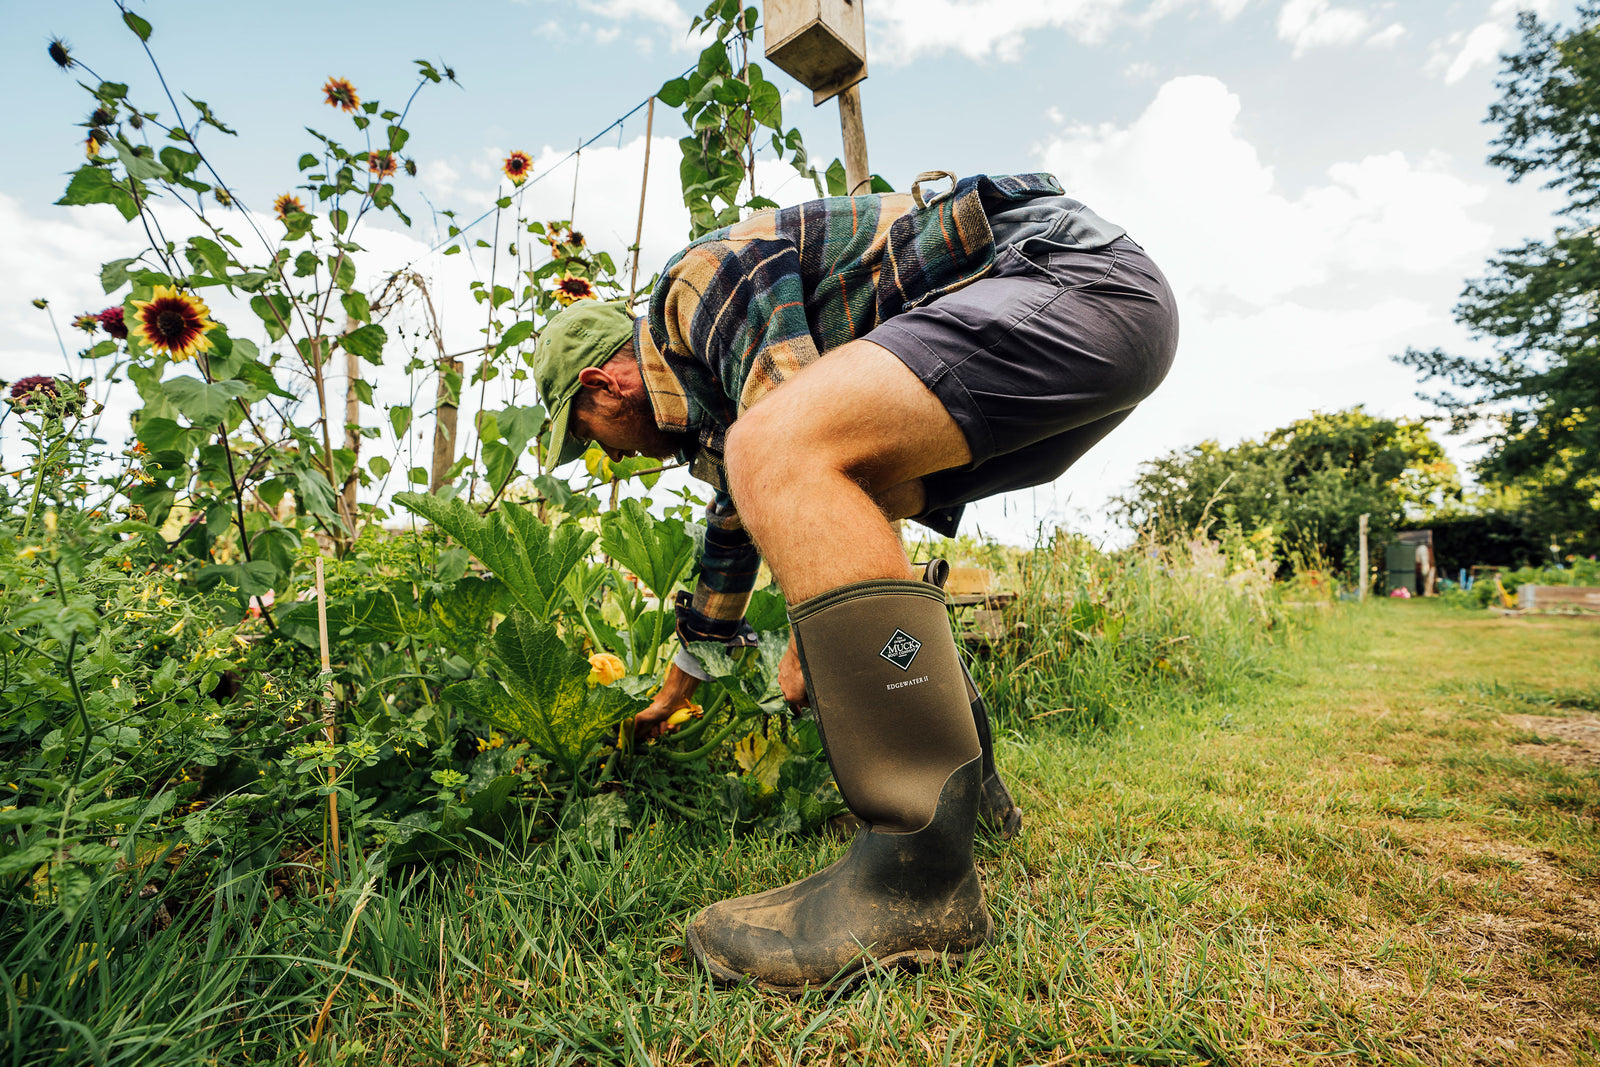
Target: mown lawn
x=1385 y=853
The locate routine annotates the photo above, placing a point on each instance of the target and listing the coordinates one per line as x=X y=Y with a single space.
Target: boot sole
x=911 y=961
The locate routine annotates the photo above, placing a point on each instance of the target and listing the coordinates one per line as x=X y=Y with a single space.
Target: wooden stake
x=857 y=175
x=644 y=183
x=1365 y=581
x=326 y=678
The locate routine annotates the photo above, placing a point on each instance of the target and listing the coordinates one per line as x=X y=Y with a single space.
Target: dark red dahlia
x=111 y=322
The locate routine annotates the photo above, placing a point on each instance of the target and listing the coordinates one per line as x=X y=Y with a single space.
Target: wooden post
x=444 y=426
x=326 y=680
x=857 y=174
x=1365 y=579
x=644 y=183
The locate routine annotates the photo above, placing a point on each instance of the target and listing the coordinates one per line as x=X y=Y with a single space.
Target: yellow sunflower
x=286 y=205
x=174 y=322
x=341 y=94
x=518 y=166
x=570 y=288
x=383 y=164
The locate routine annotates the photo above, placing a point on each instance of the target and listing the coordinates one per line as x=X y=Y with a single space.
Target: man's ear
x=595 y=378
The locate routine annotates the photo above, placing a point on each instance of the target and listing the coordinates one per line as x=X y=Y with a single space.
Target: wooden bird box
x=821 y=43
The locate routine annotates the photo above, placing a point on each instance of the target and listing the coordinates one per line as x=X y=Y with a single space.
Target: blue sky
x=1309 y=172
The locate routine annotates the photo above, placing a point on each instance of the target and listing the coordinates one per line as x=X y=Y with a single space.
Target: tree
x=1539 y=393
x=1311 y=481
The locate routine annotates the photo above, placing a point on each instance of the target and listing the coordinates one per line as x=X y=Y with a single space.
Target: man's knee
x=753 y=446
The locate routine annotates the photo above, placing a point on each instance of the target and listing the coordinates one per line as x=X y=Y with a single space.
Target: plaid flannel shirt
x=742 y=309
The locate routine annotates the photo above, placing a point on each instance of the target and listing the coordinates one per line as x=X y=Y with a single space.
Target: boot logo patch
x=901 y=649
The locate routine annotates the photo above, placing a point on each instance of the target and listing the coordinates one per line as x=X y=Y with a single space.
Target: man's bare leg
x=807 y=466
x=808 y=461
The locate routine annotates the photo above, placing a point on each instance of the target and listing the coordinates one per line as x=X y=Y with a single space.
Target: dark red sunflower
x=112 y=322
x=341 y=94
x=570 y=288
x=174 y=322
x=287 y=205
x=518 y=166
x=41 y=390
x=383 y=164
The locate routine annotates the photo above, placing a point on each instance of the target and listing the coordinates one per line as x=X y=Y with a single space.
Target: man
x=829 y=368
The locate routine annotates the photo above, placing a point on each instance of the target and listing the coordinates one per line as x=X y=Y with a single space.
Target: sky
x=1310 y=174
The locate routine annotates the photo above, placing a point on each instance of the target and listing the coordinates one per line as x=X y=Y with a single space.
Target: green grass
x=1353 y=857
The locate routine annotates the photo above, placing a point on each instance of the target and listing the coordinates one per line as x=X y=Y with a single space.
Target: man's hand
x=675 y=693
x=791 y=679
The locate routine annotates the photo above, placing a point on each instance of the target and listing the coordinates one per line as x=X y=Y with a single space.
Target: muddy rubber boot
x=891 y=705
x=998 y=814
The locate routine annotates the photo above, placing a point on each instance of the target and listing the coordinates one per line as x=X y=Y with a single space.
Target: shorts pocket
x=1081 y=270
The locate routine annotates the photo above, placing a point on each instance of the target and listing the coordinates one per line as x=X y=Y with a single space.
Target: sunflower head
x=87 y=322
x=111 y=322
x=341 y=94
x=518 y=166
x=60 y=53
x=570 y=288
x=287 y=205
x=47 y=394
x=383 y=164
x=92 y=143
x=101 y=117
x=411 y=167
x=174 y=322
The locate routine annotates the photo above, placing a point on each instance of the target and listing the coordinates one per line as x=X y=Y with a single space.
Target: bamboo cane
x=644 y=183
x=326 y=679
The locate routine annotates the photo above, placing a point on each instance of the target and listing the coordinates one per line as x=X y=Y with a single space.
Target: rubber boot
x=998 y=814
x=887 y=689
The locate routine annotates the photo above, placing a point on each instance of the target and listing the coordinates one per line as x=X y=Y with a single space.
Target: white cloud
x=981 y=29
x=607 y=34
x=1456 y=55
x=1387 y=37
x=1291 y=300
x=1308 y=24
x=1229 y=232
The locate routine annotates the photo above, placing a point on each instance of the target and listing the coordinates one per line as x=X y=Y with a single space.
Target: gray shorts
x=1036 y=362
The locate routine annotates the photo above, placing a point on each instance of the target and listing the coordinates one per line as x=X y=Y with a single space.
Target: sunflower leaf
x=367 y=342
x=137 y=25
x=95 y=185
x=201 y=403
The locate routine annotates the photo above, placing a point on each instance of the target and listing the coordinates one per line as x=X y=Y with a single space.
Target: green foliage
x=728 y=112
x=1539 y=393
x=546 y=696
x=1310 y=481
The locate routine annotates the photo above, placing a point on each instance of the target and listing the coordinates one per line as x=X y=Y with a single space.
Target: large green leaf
x=546 y=695
x=658 y=551
x=528 y=556
x=95 y=185
x=201 y=403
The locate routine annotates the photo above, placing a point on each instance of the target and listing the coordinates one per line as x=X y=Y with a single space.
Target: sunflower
x=112 y=322
x=287 y=205
x=518 y=166
x=60 y=53
x=174 y=322
x=92 y=143
x=570 y=288
x=87 y=322
x=383 y=164
x=341 y=94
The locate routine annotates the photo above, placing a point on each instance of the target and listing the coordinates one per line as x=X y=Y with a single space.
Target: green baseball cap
x=584 y=335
